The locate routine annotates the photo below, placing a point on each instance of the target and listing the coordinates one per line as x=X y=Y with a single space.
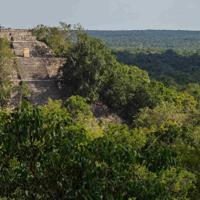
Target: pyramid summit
x=36 y=65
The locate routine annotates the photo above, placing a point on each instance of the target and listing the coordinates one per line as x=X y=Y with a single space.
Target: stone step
x=32 y=68
x=17 y=35
x=41 y=91
x=36 y=48
x=27 y=37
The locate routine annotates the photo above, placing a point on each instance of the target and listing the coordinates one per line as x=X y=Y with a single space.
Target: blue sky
x=103 y=14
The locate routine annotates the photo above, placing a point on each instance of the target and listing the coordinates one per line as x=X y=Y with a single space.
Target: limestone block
x=26 y=53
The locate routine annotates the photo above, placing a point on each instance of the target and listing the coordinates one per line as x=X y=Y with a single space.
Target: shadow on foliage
x=169 y=67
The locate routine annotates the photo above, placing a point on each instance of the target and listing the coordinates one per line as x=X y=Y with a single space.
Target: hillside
x=145 y=146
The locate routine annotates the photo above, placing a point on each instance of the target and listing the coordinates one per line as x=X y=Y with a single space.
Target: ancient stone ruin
x=36 y=66
x=26 y=53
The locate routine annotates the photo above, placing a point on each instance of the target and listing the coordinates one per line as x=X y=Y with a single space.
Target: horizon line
x=113 y=30
x=106 y=29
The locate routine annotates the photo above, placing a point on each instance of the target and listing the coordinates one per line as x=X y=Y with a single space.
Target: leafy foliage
x=6 y=67
x=169 y=67
x=46 y=154
x=58 y=39
x=88 y=64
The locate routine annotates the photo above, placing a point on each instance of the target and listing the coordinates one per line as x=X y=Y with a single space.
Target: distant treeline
x=148 y=39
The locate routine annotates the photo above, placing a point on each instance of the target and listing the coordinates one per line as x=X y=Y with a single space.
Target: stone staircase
x=42 y=90
x=32 y=69
x=39 y=71
x=36 y=48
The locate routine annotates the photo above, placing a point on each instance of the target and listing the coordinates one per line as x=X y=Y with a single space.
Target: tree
x=88 y=64
x=46 y=154
x=58 y=39
x=81 y=113
x=121 y=88
x=6 y=70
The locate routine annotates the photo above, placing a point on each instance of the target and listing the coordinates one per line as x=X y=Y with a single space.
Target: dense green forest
x=62 y=151
x=169 y=67
x=150 y=39
x=171 y=57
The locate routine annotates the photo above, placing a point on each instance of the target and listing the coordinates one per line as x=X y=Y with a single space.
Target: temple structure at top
x=35 y=65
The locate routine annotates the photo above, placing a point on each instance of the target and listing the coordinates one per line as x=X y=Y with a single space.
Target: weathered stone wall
x=36 y=48
x=11 y=64
x=40 y=68
x=21 y=39
x=16 y=34
x=54 y=65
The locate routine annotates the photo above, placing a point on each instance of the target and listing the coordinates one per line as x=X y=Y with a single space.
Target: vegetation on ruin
x=6 y=68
